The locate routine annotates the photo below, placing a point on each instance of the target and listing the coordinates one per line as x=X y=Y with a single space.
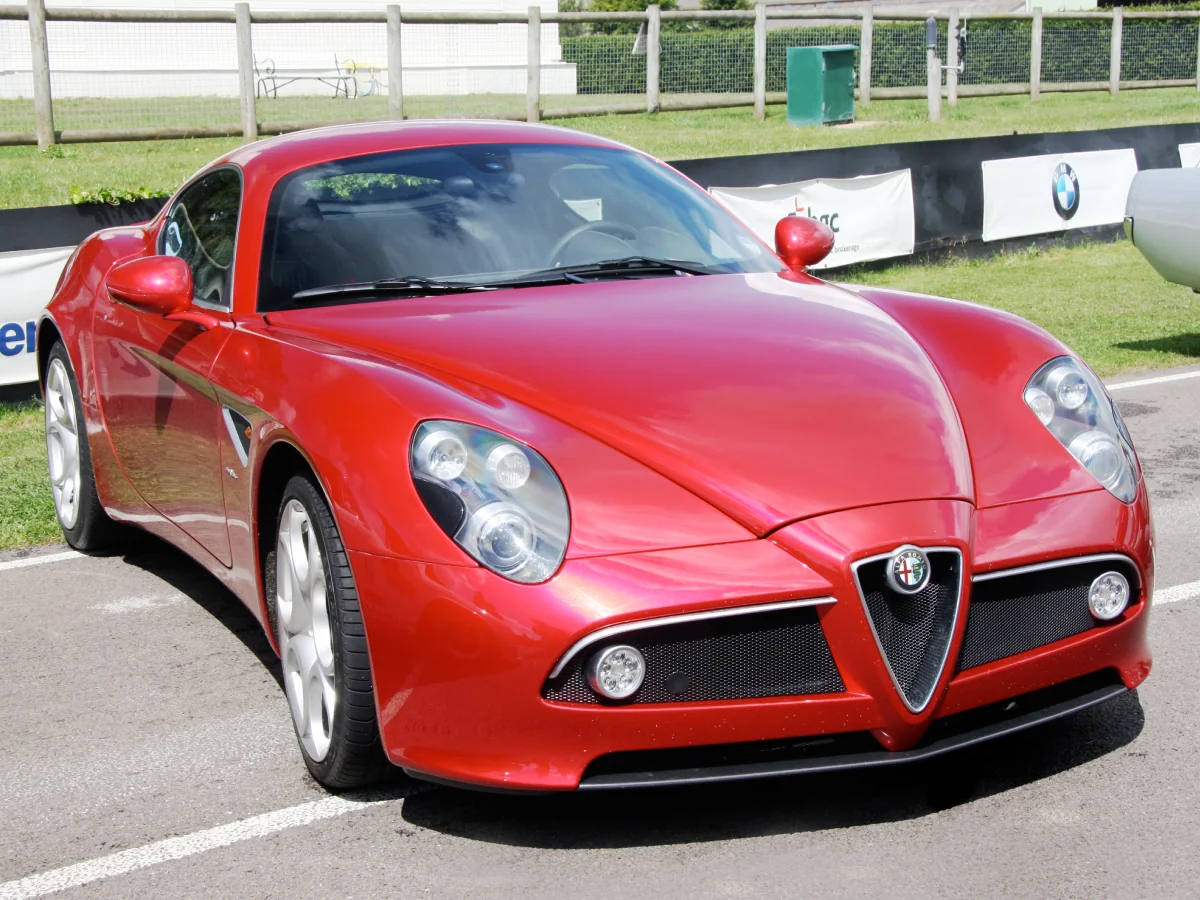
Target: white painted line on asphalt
x=1188 y=591
x=131 y=860
x=26 y=561
x=1161 y=379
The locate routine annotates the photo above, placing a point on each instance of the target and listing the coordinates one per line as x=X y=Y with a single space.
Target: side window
x=201 y=229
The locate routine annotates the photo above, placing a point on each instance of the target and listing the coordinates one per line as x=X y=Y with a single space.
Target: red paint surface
x=802 y=242
x=723 y=440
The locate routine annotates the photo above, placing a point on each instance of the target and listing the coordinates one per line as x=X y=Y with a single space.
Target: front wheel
x=322 y=643
x=85 y=524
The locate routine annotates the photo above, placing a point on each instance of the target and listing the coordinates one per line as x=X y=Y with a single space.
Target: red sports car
x=542 y=472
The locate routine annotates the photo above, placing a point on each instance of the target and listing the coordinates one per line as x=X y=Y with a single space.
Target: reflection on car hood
x=773 y=398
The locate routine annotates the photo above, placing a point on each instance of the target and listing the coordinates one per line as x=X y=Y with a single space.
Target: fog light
x=1108 y=596
x=617 y=672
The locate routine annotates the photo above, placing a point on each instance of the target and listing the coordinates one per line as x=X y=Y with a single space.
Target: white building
x=102 y=59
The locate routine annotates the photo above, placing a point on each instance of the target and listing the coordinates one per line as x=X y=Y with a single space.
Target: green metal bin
x=820 y=84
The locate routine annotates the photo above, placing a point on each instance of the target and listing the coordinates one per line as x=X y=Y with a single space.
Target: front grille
x=1019 y=612
x=913 y=631
x=772 y=654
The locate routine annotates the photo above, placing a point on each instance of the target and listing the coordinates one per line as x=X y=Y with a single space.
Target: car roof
x=287 y=152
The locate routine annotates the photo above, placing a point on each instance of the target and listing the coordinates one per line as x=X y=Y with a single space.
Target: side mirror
x=159 y=285
x=802 y=242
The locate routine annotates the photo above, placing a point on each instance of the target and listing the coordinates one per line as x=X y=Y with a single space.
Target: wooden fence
x=942 y=81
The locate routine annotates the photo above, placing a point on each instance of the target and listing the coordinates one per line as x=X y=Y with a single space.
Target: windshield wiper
x=386 y=288
x=628 y=267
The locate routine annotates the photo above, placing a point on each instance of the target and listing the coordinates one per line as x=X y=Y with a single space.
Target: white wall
x=100 y=59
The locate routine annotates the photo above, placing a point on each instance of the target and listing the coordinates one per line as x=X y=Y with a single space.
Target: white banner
x=871 y=216
x=1189 y=156
x=28 y=277
x=1043 y=194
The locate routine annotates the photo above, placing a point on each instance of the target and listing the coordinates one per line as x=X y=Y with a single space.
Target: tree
x=722 y=5
x=623 y=6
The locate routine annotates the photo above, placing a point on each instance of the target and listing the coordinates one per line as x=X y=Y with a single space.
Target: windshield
x=486 y=214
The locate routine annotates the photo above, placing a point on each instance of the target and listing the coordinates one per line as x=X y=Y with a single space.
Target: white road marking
x=39 y=560
x=126 y=861
x=133 y=604
x=1188 y=591
x=1161 y=379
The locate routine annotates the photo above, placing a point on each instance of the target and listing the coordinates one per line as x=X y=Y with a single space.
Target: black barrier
x=947 y=181
x=42 y=227
x=947 y=176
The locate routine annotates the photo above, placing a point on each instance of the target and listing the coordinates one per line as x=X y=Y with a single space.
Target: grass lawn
x=31 y=178
x=26 y=508
x=1102 y=299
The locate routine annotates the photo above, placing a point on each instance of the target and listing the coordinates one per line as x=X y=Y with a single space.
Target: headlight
x=1069 y=400
x=499 y=500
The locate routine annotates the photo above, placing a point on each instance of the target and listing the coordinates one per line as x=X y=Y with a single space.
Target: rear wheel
x=84 y=523
x=322 y=643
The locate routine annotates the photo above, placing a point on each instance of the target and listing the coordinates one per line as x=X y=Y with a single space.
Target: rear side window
x=201 y=230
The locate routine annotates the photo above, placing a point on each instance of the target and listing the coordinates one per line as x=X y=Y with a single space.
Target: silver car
x=1161 y=219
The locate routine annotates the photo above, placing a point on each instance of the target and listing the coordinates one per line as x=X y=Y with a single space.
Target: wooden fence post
x=952 y=59
x=43 y=107
x=864 y=55
x=1035 y=55
x=653 y=56
x=245 y=52
x=533 y=62
x=760 y=61
x=1114 y=65
x=395 y=61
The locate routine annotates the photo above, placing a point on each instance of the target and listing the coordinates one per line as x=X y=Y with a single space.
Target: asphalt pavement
x=148 y=752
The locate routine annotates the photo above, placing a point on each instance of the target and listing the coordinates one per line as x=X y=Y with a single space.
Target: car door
x=161 y=411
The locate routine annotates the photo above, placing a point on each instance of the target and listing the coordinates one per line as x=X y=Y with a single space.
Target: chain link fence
x=997 y=52
x=130 y=75
x=16 y=79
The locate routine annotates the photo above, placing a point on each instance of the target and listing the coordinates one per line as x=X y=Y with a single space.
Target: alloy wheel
x=62 y=444
x=305 y=634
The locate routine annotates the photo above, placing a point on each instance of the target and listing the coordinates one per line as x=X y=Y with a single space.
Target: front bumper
x=460 y=657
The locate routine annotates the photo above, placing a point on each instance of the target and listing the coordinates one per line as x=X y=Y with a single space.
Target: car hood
x=774 y=398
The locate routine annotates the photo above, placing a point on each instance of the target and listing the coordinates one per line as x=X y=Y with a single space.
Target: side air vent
x=913 y=630
x=240 y=432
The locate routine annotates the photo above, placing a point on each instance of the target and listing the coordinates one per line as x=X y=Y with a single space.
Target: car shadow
x=805 y=803
x=1183 y=344
x=152 y=555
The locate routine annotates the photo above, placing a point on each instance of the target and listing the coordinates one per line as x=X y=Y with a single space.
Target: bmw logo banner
x=872 y=216
x=1029 y=195
x=29 y=277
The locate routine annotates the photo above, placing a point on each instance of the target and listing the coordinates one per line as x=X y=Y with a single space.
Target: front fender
x=986 y=358
x=353 y=417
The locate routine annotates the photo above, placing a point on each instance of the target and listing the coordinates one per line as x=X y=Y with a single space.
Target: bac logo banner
x=1044 y=194
x=871 y=216
x=27 y=279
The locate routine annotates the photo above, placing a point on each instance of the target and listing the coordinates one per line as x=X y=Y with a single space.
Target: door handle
x=204 y=320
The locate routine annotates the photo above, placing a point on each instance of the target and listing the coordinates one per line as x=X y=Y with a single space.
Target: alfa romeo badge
x=908 y=571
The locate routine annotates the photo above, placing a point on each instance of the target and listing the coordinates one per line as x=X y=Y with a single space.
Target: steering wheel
x=616 y=229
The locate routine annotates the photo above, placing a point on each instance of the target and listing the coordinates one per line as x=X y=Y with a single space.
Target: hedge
x=997 y=52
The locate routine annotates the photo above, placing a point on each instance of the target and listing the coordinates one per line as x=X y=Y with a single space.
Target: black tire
x=93 y=530
x=355 y=757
